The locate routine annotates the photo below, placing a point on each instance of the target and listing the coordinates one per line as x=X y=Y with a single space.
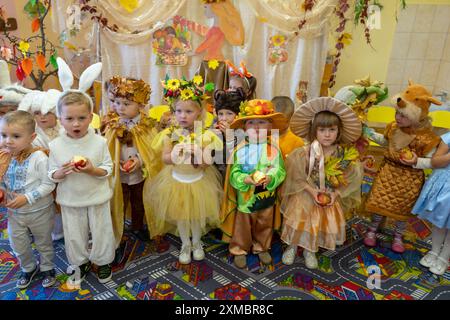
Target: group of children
x=250 y=174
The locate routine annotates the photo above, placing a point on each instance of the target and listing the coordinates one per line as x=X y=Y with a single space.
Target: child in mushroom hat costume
x=399 y=180
x=247 y=213
x=323 y=178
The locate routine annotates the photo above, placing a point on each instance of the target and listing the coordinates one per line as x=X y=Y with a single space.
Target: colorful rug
x=150 y=271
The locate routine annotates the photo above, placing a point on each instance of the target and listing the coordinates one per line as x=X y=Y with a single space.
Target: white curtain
x=130 y=54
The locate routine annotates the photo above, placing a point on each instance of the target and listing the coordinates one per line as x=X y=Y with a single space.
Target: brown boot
x=240 y=261
x=265 y=257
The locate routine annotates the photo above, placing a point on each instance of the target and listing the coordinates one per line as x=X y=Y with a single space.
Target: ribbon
x=316 y=152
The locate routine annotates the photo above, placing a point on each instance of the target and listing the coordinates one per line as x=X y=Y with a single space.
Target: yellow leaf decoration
x=351 y=154
x=129 y=5
x=346 y=39
x=24 y=47
x=198 y=79
x=213 y=64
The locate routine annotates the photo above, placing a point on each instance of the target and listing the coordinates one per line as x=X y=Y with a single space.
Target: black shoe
x=48 y=279
x=25 y=278
x=141 y=235
x=120 y=253
x=104 y=273
x=84 y=270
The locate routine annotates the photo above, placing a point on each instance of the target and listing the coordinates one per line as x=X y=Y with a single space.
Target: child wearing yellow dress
x=323 y=179
x=185 y=196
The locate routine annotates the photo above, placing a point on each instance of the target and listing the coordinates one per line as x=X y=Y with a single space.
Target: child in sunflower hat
x=323 y=178
x=251 y=183
x=185 y=196
x=129 y=133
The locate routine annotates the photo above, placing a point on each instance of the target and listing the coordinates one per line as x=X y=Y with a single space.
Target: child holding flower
x=185 y=196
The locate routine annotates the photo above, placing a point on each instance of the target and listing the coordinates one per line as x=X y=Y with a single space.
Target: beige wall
x=359 y=59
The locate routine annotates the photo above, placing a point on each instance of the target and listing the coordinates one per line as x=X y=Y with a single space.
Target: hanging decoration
x=277 y=49
x=129 y=5
x=23 y=52
x=171 y=44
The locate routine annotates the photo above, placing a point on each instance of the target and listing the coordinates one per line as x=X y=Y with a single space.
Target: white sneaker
x=198 y=252
x=185 y=254
x=310 y=259
x=439 y=266
x=428 y=260
x=289 y=255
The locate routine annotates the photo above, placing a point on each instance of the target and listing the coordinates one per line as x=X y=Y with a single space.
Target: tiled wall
x=421 y=49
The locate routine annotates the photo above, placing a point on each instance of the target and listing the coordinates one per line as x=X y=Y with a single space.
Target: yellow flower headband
x=131 y=89
x=186 y=90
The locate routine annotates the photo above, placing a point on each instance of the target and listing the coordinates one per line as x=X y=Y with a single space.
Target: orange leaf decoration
x=27 y=66
x=35 y=25
x=40 y=60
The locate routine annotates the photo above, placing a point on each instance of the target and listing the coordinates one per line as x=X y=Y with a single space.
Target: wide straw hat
x=303 y=117
x=259 y=109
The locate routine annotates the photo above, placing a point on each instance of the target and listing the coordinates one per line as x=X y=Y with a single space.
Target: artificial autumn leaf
x=35 y=25
x=40 y=61
x=32 y=9
x=129 y=5
x=53 y=61
x=24 y=47
x=19 y=73
x=27 y=66
x=209 y=86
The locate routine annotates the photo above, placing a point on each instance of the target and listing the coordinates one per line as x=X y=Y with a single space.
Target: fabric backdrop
x=130 y=54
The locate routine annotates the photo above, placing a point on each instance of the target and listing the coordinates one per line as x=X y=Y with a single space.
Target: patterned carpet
x=150 y=271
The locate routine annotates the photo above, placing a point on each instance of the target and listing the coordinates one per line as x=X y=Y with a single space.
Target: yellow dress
x=307 y=224
x=185 y=193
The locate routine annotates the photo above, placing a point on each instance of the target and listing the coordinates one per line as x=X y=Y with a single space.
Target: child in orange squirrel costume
x=399 y=180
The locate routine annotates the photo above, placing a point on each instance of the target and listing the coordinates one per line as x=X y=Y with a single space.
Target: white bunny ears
x=10 y=94
x=87 y=78
x=42 y=101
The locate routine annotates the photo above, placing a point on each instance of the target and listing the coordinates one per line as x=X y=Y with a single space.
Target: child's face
x=127 y=109
x=257 y=129
x=111 y=100
x=7 y=108
x=327 y=135
x=235 y=83
x=187 y=112
x=45 y=121
x=15 y=137
x=402 y=121
x=75 y=118
x=226 y=115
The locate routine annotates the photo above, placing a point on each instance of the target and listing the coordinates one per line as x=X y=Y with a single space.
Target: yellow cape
x=229 y=205
x=142 y=135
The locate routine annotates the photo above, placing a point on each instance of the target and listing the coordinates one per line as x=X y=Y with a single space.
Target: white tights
x=195 y=230
x=441 y=242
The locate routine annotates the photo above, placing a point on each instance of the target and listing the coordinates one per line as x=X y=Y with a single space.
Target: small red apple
x=2 y=195
x=79 y=162
x=128 y=165
x=324 y=199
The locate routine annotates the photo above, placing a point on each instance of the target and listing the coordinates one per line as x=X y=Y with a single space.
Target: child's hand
x=19 y=201
x=333 y=196
x=410 y=162
x=135 y=164
x=66 y=169
x=249 y=180
x=88 y=168
x=264 y=182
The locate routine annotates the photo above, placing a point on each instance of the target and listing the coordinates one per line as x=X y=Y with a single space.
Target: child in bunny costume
x=84 y=189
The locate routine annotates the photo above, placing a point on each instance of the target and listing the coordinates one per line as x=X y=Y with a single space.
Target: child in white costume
x=84 y=192
x=42 y=105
